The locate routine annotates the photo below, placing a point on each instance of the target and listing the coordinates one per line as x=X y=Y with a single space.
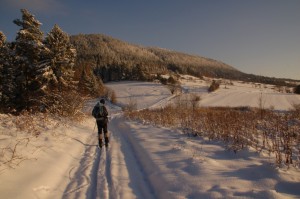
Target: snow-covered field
x=144 y=94
x=238 y=94
x=241 y=94
x=143 y=161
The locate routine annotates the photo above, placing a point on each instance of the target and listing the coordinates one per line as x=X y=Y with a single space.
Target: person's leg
x=105 y=134
x=100 y=139
x=100 y=135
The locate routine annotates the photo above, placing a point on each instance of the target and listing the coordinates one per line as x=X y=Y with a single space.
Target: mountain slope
x=186 y=59
x=114 y=59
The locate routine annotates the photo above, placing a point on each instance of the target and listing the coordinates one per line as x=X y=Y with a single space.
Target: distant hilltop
x=113 y=60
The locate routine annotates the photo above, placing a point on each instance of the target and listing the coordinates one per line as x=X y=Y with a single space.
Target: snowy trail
x=111 y=173
x=120 y=174
x=124 y=170
x=79 y=174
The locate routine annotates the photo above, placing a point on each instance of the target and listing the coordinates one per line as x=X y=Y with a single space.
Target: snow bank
x=48 y=162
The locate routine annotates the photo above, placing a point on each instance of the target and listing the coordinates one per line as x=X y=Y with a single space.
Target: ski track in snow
x=109 y=173
x=120 y=175
x=122 y=171
x=79 y=174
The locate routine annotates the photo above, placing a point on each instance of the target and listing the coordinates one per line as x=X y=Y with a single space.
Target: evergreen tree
x=61 y=57
x=2 y=61
x=31 y=68
x=89 y=84
x=7 y=77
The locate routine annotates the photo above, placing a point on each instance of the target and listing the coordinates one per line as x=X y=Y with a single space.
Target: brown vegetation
x=277 y=133
x=19 y=143
x=214 y=86
x=297 y=89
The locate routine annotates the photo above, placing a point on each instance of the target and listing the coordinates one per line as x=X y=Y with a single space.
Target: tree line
x=37 y=73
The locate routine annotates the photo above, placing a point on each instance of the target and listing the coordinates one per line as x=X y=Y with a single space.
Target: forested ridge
x=113 y=59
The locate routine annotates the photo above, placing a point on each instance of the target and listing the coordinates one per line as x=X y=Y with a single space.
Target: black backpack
x=99 y=112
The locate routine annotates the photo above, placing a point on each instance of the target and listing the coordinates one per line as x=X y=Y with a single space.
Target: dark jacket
x=96 y=112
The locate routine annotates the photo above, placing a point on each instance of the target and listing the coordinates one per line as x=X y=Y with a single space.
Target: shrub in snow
x=172 y=80
x=297 y=89
x=111 y=95
x=214 y=86
x=174 y=88
x=65 y=103
x=130 y=106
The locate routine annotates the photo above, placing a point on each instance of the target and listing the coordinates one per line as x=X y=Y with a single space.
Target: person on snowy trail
x=101 y=115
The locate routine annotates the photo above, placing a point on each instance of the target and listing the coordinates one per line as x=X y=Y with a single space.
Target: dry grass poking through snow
x=275 y=133
x=18 y=134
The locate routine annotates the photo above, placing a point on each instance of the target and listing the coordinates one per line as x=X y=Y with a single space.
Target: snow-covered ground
x=142 y=161
x=241 y=94
x=238 y=94
x=144 y=94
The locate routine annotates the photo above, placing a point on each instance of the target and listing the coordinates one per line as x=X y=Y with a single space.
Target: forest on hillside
x=113 y=60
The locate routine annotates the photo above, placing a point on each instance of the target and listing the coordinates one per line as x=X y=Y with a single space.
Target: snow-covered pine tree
x=61 y=56
x=7 y=77
x=89 y=84
x=62 y=98
x=31 y=66
x=2 y=54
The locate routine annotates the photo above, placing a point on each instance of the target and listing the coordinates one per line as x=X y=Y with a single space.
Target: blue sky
x=255 y=36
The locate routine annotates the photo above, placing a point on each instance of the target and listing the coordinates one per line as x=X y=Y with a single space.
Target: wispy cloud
x=37 y=6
